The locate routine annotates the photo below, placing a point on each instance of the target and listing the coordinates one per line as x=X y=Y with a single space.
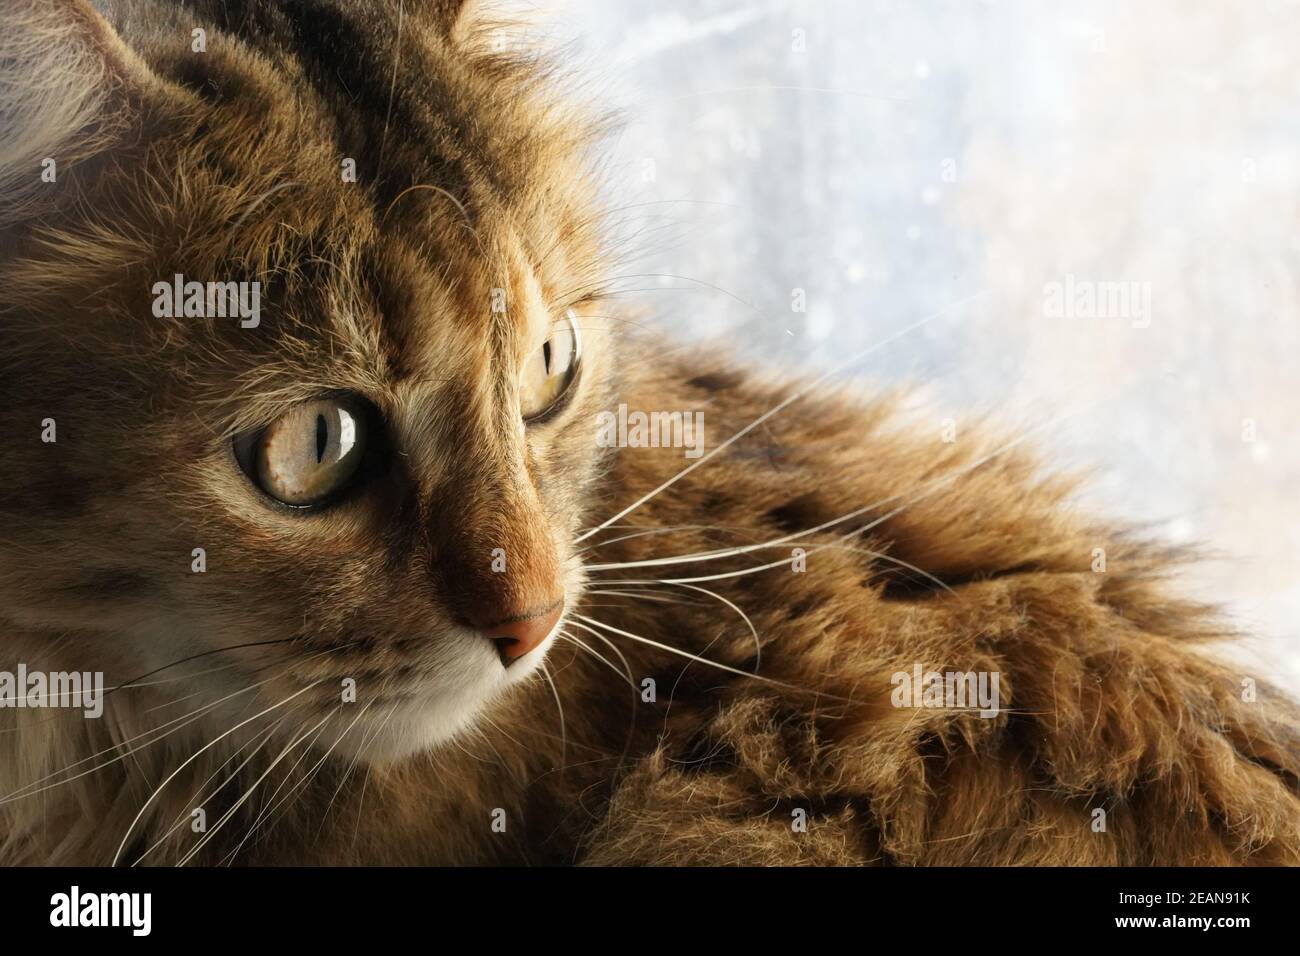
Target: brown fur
x=472 y=178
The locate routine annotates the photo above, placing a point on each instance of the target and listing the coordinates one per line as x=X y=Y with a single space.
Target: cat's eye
x=550 y=370
x=311 y=453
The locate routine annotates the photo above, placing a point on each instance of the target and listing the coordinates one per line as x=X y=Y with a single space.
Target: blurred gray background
x=903 y=160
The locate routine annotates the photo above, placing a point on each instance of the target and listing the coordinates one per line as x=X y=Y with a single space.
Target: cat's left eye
x=308 y=455
x=550 y=370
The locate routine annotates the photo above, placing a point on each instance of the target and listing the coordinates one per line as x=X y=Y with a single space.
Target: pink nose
x=516 y=636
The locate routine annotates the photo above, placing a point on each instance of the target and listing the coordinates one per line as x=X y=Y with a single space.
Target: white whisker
x=575 y=640
x=681 y=653
x=774 y=411
x=758 y=644
x=182 y=721
x=185 y=814
x=564 y=734
x=348 y=771
x=649 y=531
x=928 y=489
x=212 y=743
x=643 y=596
x=810 y=546
x=244 y=798
x=270 y=806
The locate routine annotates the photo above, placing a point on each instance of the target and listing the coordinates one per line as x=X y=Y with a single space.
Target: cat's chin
x=384 y=736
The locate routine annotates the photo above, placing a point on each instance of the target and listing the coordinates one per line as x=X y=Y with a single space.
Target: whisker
x=184 y=815
x=564 y=734
x=140 y=682
x=724 y=667
x=928 y=489
x=631 y=682
x=576 y=641
x=270 y=806
x=372 y=734
x=809 y=545
x=758 y=644
x=194 y=657
x=186 y=718
x=774 y=411
x=315 y=769
x=212 y=743
x=642 y=596
x=247 y=795
x=365 y=784
x=681 y=653
x=650 y=531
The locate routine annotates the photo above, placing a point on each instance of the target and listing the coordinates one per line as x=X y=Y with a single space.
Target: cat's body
x=1105 y=700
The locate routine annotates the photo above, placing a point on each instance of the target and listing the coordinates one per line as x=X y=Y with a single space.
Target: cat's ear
x=69 y=89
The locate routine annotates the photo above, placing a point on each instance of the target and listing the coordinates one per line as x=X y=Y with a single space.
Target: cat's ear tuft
x=68 y=89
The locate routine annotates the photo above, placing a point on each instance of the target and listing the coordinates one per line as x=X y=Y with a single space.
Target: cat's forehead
x=379 y=113
x=402 y=211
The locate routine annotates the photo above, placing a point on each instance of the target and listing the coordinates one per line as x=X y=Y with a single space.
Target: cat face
x=316 y=325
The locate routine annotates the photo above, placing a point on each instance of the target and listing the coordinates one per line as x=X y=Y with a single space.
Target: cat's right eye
x=310 y=454
x=550 y=370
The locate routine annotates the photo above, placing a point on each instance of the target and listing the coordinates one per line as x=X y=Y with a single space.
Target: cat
x=363 y=585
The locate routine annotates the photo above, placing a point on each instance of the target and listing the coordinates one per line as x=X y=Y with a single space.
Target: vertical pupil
x=546 y=355
x=322 y=437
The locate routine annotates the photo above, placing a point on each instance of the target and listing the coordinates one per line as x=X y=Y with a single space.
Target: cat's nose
x=515 y=636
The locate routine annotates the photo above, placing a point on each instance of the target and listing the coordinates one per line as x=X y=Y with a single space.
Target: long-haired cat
x=307 y=350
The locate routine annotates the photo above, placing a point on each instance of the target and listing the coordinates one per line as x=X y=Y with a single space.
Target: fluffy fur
x=471 y=179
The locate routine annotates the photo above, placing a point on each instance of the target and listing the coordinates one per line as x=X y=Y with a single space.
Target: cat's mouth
x=382 y=715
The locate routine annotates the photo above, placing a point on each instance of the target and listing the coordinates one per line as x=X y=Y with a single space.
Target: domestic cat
x=364 y=585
